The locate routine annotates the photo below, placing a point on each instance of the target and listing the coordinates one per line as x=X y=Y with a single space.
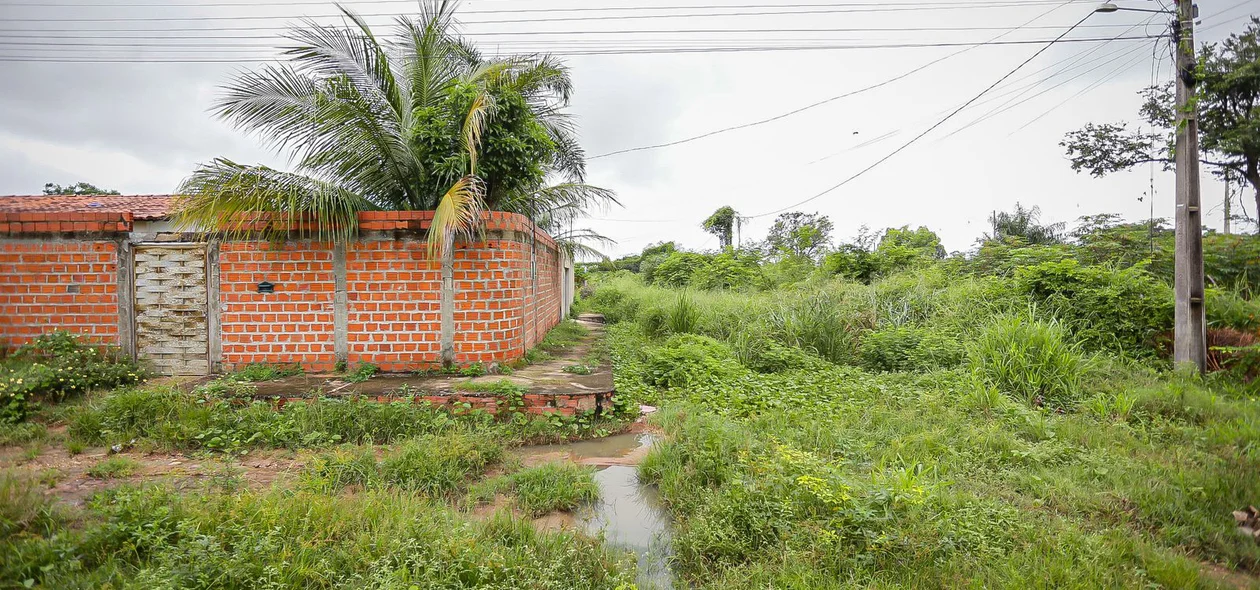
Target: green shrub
x=901 y=349
x=679 y=268
x=264 y=372
x=114 y=467
x=730 y=270
x=1106 y=309
x=1228 y=309
x=820 y=321
x=19 y=388
x=688 y=359
x=440 y=464
x=54 y=365
x=553 y=486
x=1029 y=360
x=363 y=372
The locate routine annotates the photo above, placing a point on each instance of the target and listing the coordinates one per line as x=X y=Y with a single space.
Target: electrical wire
x=824 y=101
x=1086 y=90
x=578 y=33
x=1014 y=101
x=95 y=57
x=929 y=129
x=842 y=10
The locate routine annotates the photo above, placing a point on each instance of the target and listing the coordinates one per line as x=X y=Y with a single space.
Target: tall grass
x=1030 y=360
x=158 y=538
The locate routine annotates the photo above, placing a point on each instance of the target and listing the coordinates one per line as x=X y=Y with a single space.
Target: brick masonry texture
x=67 y=285
x=59 y=271
x=292 y=325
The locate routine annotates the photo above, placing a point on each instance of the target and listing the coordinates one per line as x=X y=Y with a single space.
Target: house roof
x=140 y=206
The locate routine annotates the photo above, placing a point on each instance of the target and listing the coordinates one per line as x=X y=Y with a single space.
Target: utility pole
x=1189 y=338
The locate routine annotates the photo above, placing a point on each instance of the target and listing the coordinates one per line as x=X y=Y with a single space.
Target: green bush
x=764 y=355
x=730 y=270
x=553 y=486
x=440 y=464
x=54 y=365
x=1029 y=360
x=1228 y=309
x=678 y=269
x=901 y=349
x=688 y=359
x=820 y=321
x=1106 y=309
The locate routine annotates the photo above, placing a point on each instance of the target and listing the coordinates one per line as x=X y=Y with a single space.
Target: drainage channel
x=629 y=514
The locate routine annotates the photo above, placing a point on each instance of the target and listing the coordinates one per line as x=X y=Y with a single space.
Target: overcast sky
x=133 y=121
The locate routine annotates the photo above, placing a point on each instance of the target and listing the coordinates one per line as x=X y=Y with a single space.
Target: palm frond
x=475 y=121
x=458 y=214
x=241 y=201
x=575 y=243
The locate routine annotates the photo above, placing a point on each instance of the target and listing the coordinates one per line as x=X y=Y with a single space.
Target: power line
x=842 y=10
x=929 y=129
x=1013 y=102
x=95 y=57
x=497 y=10
x=1106 y=77
x=821 y=102
x=579 y=33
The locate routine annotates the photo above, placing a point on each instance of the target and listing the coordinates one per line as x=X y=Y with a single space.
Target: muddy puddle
x=629 y=514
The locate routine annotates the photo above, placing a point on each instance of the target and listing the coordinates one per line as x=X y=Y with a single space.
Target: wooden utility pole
x=1189 y=339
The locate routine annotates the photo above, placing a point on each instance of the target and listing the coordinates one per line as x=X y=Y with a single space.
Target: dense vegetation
x=884 y=416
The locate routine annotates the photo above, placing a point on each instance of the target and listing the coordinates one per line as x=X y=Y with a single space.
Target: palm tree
x=421 y=121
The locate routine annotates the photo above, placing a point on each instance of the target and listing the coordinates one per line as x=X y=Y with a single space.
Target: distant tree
x=722 y=224
x=921 y=241
x=1227 y=92
x=78 y=188
x=1023 y=224
x=804 y=235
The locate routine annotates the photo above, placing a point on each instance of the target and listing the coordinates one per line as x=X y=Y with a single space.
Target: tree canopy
x=804 y=235
x=722 y=224
x=78 y=188
x=416 y=121
x=1227 y=97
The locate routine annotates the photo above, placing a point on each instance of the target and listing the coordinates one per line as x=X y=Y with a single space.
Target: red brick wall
x=394 y=292
x=69 y=285
x=292 y=325
x=542 y=300
x=489 y=288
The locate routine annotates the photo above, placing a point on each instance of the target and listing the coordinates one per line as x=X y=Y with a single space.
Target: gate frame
x=127 y=275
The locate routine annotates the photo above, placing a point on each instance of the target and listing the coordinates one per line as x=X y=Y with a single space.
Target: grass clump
x=264 y=372
x=154 y=537
x=434 y=465
x=553 y=486
x=1030 y=360
x=55 y=365
x=114 y=467
x=362 y=372
x=439 y=465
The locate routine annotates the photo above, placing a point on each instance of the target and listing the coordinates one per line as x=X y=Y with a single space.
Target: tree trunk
x=1252 y=174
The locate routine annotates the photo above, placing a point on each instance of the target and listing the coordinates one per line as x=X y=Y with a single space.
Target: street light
x=1189 y=329
x=1109 y=7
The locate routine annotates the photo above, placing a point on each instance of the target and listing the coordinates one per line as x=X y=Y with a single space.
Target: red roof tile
x=141 y=206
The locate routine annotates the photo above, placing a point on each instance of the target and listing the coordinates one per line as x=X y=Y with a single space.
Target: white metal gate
x=172 y=327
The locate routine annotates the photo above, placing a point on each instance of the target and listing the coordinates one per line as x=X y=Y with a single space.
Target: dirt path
x=66 y=475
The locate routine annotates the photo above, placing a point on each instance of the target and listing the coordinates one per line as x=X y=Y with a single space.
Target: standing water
x=629 y=514
x=631 y=517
